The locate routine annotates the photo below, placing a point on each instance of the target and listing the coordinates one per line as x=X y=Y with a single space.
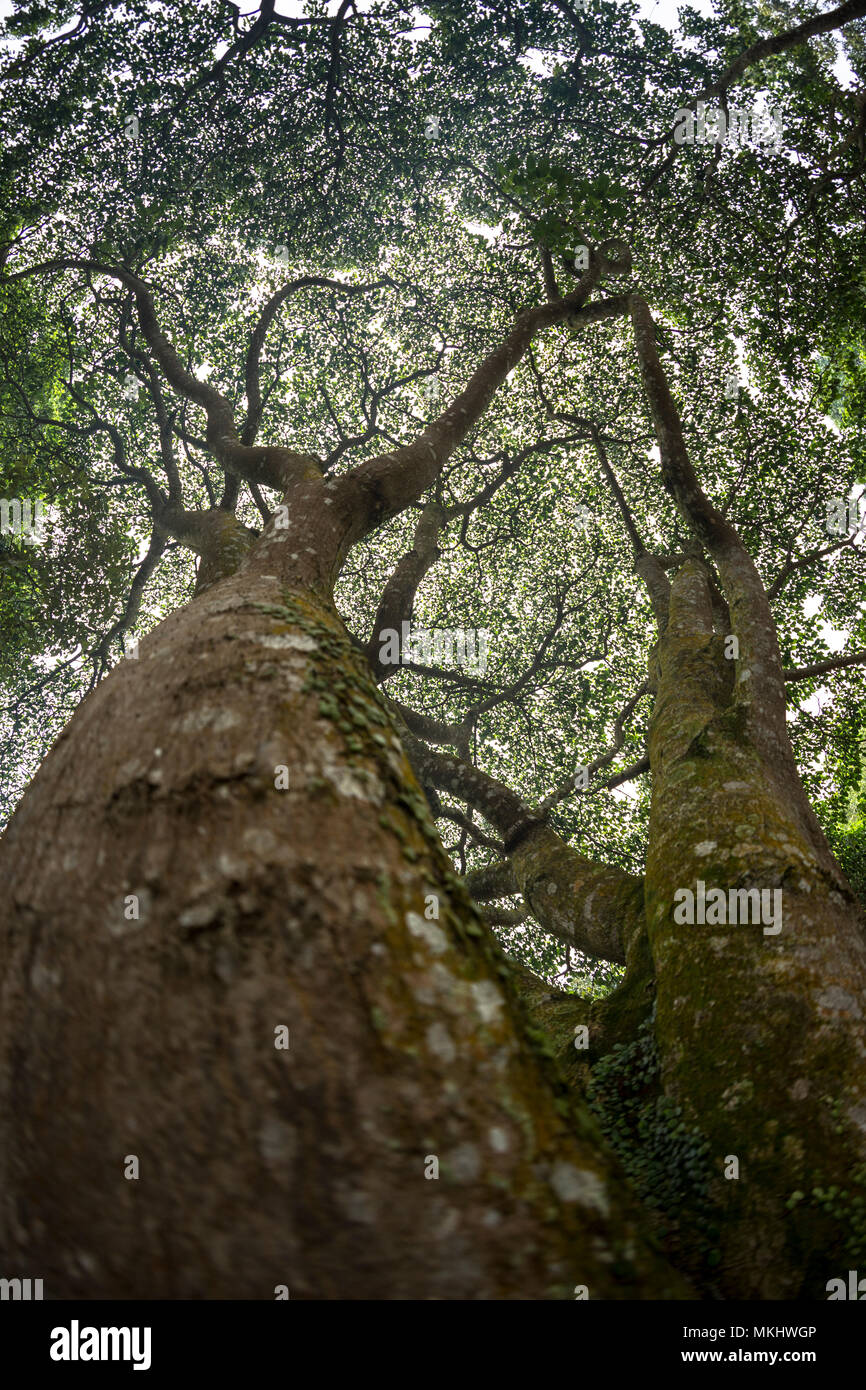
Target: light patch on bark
x=44 y=979
x=428 y=932
x=129 y=772
x=298 y=641
x=857 y=1114
x=199 y=916
x=225 y=605
x=217 y=720
x=232 y=867
x=278 y=1141
x=488 y=1000
x=579 y=1185
x=357 y=1206
x=347 y=783
x=446 y=1224
x=439 y=1042
x=838 y=1000
x=261 y=842
x=466 y=1163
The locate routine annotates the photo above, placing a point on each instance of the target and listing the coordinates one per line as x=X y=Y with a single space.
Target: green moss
x=843 y=1206
x=666 y=1159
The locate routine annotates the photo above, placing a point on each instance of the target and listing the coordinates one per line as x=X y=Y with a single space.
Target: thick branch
x=594 y=907
x=504 y=916
x=434 y=730
x=494 y=881
x=216 y=535
x=821 y=668
x=398 y=596
x=761 y=683
x=274 y=467
x=382 y=486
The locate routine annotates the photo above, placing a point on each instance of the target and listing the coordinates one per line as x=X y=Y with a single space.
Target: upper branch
x=820 y=668
x=778 y=43
x=761 y=684
x=259 y=333
x=566 y=788
x=595 y=907
x=382 y=486
x=755 y=53
x=275 y=467
x=398 y=596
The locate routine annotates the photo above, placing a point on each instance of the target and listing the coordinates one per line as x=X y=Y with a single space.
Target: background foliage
x=275 y=147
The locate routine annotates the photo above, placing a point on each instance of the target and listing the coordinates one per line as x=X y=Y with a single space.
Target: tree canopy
x=369 y=197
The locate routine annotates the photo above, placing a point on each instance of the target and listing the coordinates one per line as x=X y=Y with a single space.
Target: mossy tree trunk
x=229 y=849
x=171 y=905
x=728 y=1067
x=254 y=1032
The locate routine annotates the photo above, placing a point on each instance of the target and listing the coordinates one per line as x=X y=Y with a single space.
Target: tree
x=499 y=531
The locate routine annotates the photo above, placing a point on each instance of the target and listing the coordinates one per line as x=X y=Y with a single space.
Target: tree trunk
x=762 y=1031
x=170 y=905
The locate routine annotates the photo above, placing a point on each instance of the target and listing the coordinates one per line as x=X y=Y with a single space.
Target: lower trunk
x=761 y=1015
x=248 y=1009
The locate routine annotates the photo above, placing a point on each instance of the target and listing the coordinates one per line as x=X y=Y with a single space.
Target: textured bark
x=171 y=904
x=260 y=907
x=595 y=907
x=762 y=1036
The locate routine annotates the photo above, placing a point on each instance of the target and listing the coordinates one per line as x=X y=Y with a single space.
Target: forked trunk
x=226 y=852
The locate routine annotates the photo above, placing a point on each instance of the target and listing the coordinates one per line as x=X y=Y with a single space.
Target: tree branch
x=259 y=333
x=761 y=688
x=398 y=596
x=382 y=486
x=821 y=668
x=595 y=907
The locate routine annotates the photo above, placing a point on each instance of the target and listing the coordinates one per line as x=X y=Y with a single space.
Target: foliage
x=285 y=161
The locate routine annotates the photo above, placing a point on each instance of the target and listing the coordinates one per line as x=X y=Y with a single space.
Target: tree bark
x=762 y=1034
x=169 y=907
